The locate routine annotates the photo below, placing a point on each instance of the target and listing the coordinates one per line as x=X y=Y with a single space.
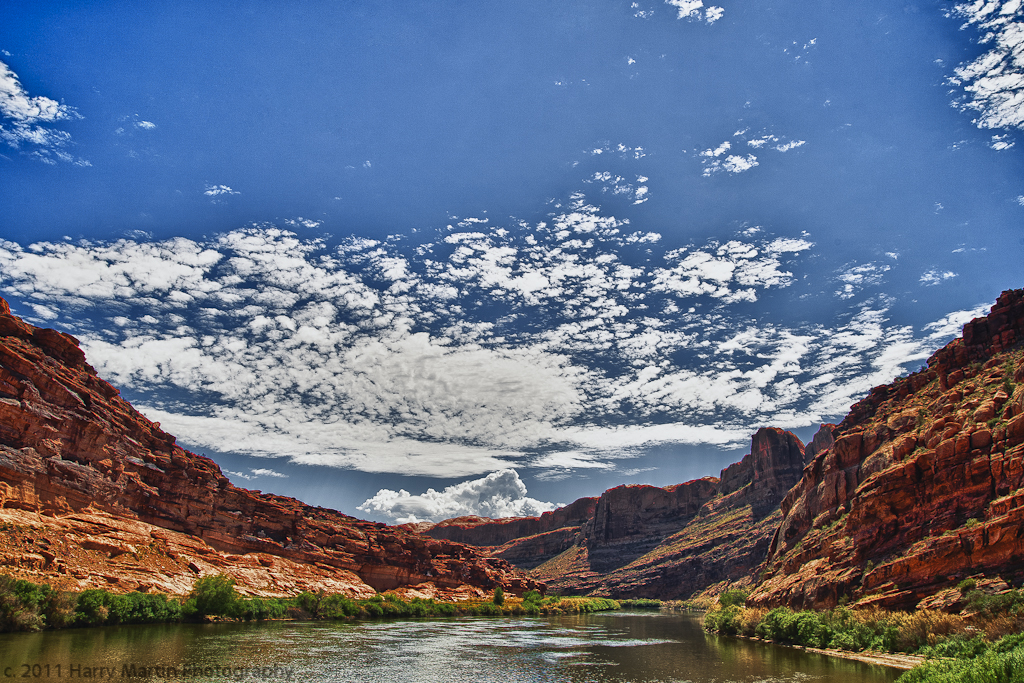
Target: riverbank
x=983 y=644
x=25 y=606
x=893 y=660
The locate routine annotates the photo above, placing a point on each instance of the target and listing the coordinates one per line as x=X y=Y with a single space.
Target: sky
x=414 y=261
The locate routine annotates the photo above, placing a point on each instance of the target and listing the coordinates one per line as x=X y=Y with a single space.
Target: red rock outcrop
x=72 y=449
x=648 y=541
x=670 y=543
x=922 y=485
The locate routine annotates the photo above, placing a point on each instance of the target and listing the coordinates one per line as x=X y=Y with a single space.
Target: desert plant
x=213 y=595
x=733 y=597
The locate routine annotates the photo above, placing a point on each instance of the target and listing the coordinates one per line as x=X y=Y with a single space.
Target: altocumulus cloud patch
x=28 y=122
x=562 y=345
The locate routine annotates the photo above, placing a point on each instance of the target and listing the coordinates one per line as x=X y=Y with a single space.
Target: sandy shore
x=900 y=661
x=895 y=661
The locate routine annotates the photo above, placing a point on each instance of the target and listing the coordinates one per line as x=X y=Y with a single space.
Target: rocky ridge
x=922 y=486
x=919 y=487
x=94 y=494
x=648 y=541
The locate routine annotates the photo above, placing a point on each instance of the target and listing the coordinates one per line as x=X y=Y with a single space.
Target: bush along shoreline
x=983 y=645
x=27 y=606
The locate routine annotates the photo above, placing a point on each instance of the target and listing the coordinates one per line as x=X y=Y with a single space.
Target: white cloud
x=713 y=14
x=618 y=185
x=499 y=494
x=737 y=164
x=691 y=9
x=993 y=84
x=854 y=278
x=563 y=345
x=792 y=144
x=717 y=151
x=731 y=272
x=934 y=277
x=713 y=162
x=17 y=105
x=145 y=125
x=28 y=119
x=215 y=192
x=257 y=473
x=640 y=13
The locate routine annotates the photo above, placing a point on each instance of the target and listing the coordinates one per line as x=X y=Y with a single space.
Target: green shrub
x=724 y=621
x=1011 y=602
x=499 y=596
x=258 y=609
x=214 y=595
x=20 y=605
x=966 y=585
x=641 y=603
x=97 y=607
x=990 y=667
x=956 y=647
x=733 y=597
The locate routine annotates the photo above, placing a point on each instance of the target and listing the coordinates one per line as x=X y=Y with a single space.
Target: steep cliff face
x=669 y=543
x=922 y=485
x=648 y=541
x=73 y=452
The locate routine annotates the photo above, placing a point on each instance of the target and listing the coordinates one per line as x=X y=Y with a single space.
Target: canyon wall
x=922 y=486
x=83 y=476
x=648 y=541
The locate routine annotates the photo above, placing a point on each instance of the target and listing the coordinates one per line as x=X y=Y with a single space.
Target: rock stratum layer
x=93 y=494
x=922 y=485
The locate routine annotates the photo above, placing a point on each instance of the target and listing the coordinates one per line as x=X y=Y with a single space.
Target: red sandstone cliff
x=922 y=487
x=647 y=541
x=92 y=491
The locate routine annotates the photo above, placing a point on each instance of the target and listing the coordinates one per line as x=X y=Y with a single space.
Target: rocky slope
x=647 y=541
x=921 y=487
x=523 y=541
x=94 y=494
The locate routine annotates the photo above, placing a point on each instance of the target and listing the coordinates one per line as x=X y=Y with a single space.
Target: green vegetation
x=985 y=645
x=1008 y=385
x=733 y=597
x=641 y=603
x=998 y=662
x=25 y=606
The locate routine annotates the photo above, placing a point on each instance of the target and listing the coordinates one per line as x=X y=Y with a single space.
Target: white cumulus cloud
x=499 y=494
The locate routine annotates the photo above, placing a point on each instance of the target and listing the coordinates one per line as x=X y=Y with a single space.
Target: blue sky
x=418 y=261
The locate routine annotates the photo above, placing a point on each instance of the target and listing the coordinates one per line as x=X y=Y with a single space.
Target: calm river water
x=602 y=647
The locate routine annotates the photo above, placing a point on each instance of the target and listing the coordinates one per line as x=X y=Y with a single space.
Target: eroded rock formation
x=648 y=541
x=83 y=472
x=922 y=486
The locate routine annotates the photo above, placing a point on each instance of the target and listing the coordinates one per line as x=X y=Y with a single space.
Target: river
x=601 y=647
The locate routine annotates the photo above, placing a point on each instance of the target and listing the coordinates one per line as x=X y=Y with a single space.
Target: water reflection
x=605 y=647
